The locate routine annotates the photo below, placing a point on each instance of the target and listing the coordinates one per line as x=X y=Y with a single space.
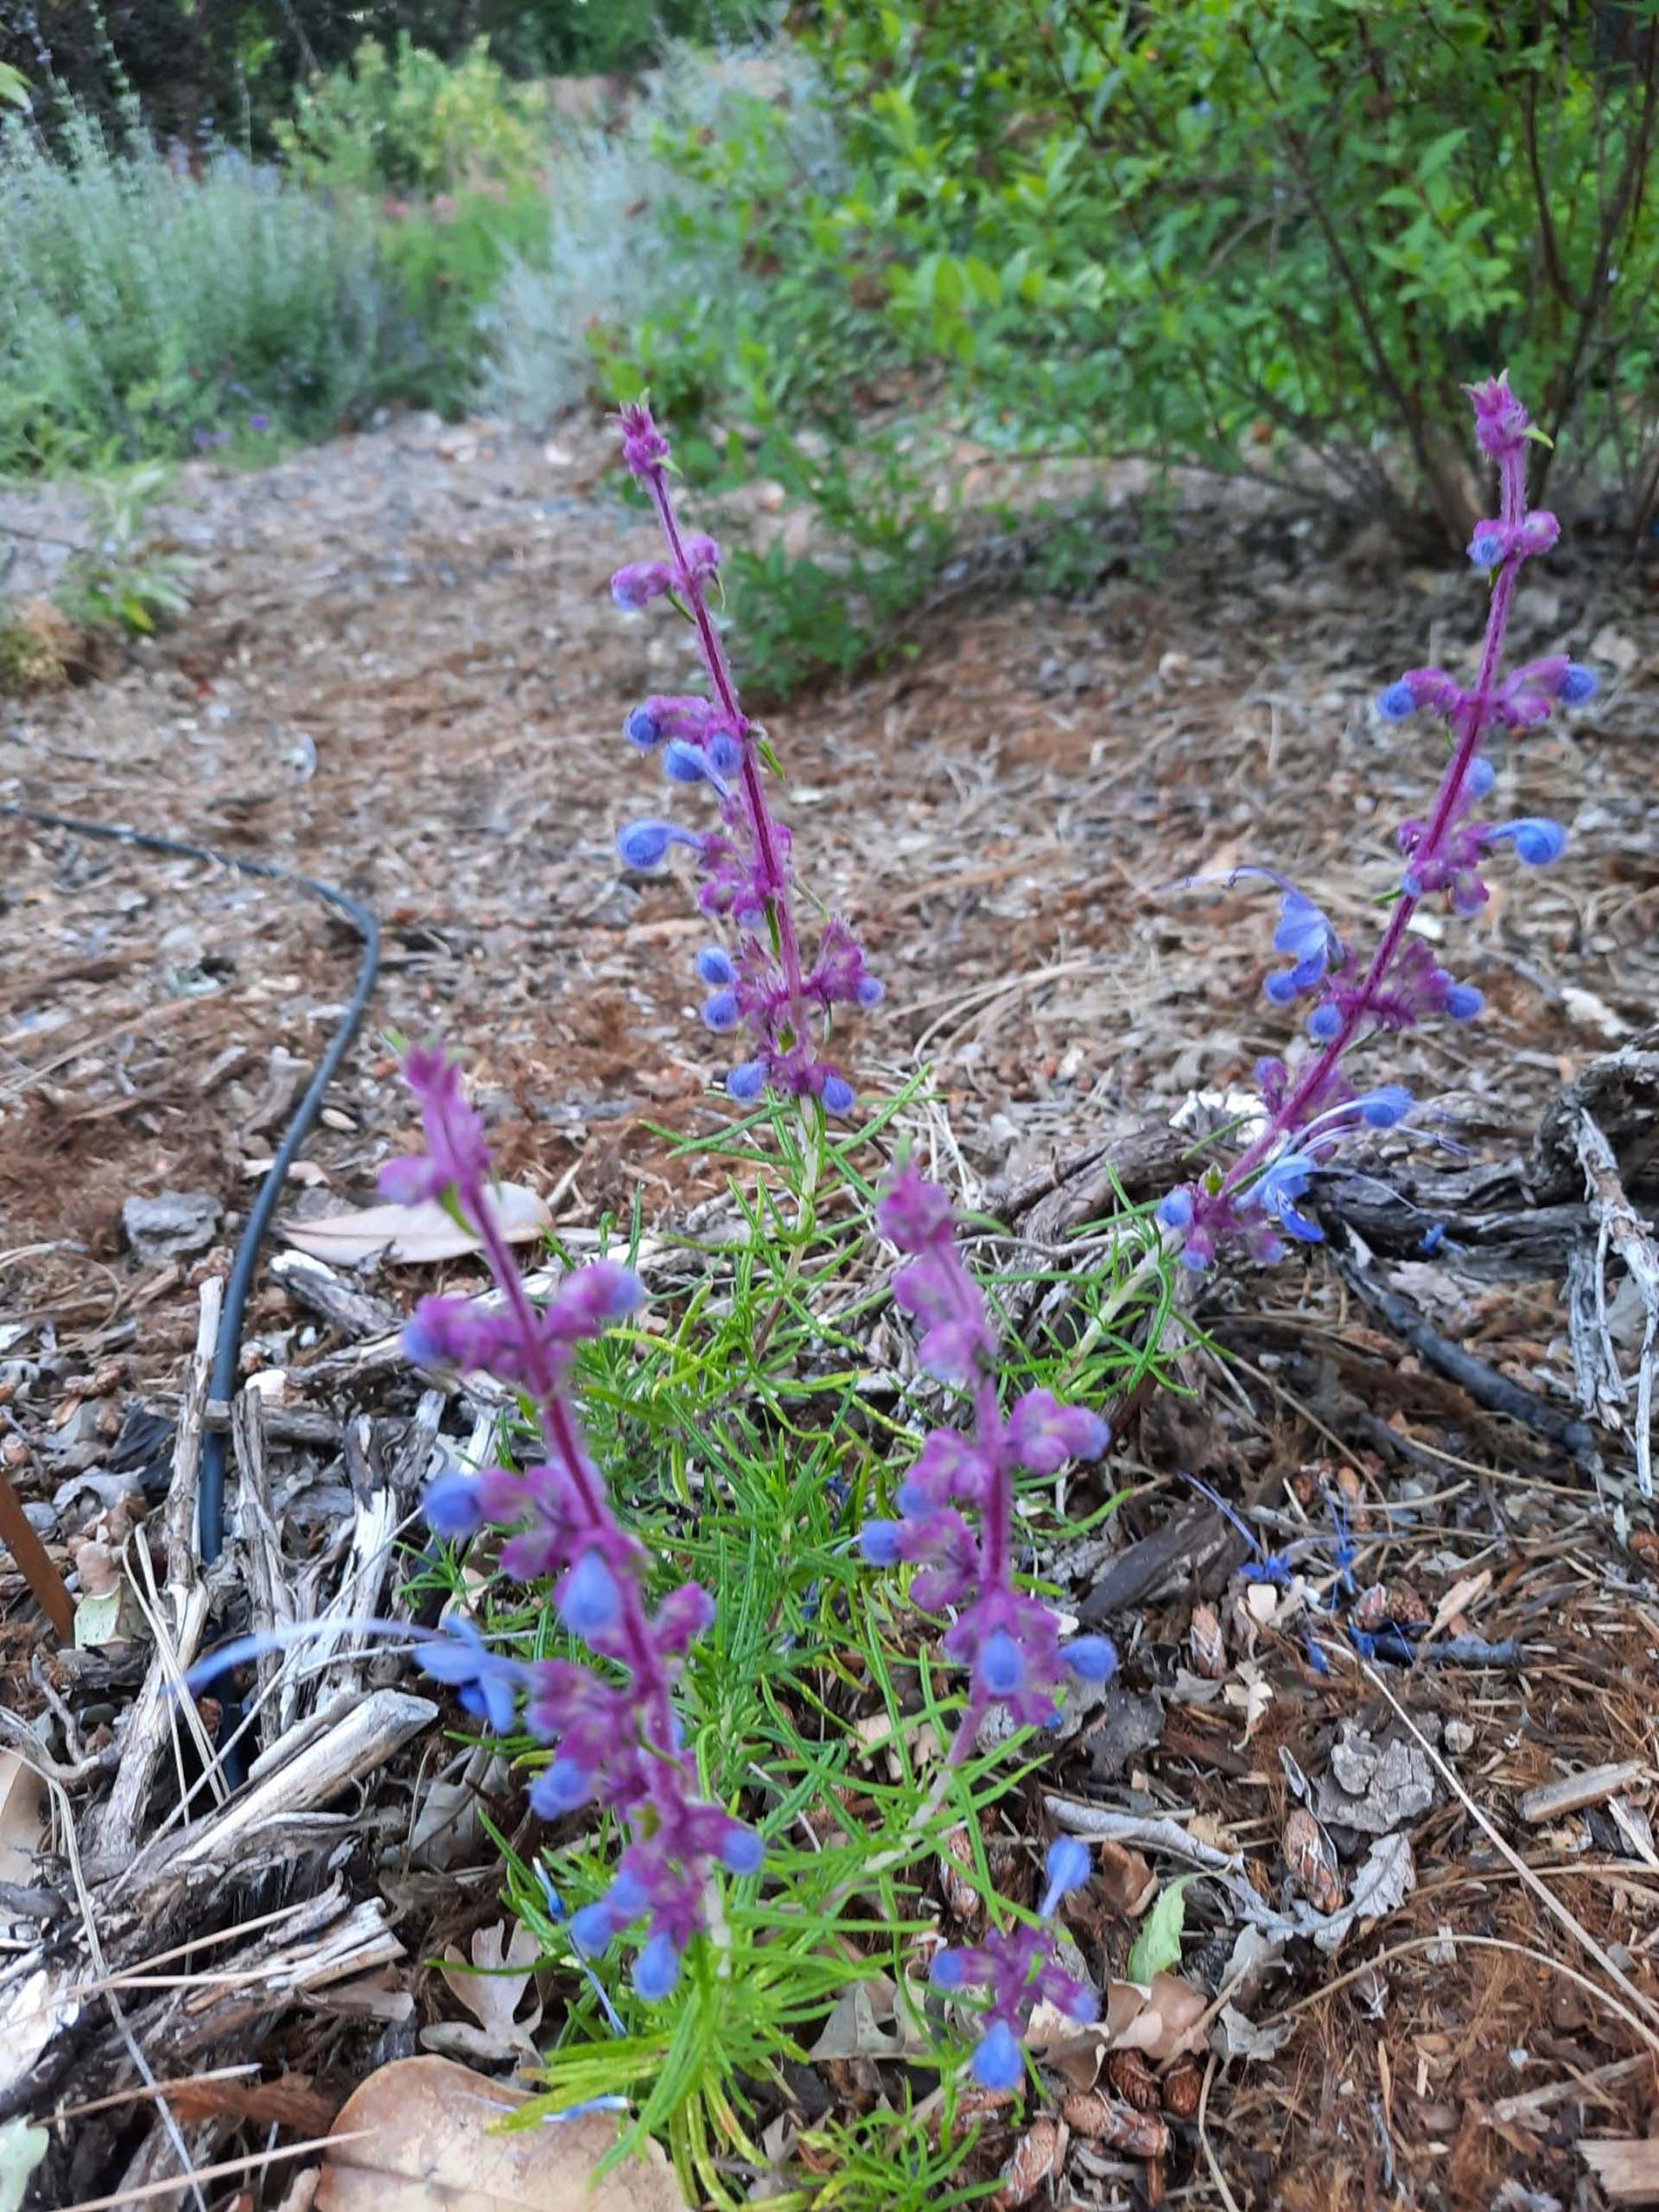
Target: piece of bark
x=1551 y=1801
x=1196 y=1547
x=155 y=1713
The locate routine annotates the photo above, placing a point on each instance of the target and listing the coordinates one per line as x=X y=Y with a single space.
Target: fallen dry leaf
x=411 y=1235
x=492 y=1994
x=425 y=2142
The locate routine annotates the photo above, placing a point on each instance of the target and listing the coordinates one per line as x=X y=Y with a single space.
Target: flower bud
x=715 y=966
x=746 y=1082
x=719 y=1011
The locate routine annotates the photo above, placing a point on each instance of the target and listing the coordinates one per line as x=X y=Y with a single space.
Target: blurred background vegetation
x=856 y=251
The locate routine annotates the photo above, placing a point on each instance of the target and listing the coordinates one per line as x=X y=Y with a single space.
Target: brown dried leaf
x=1311 y=1857
x=411 y=1235
x=424 y=2143
x=1126 y=1882
x=1207 y=1644
x=1119 y=2126
x=491 y=1994
x=1038 y=2155
x=1166 y=2025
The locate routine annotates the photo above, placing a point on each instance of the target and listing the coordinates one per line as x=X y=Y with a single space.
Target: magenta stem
x=1472 y=720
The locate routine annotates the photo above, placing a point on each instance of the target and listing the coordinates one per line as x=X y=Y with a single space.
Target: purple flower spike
x=1008 y=1642
x=785 y=1000
x=1311 y=1108
x=619 y=1742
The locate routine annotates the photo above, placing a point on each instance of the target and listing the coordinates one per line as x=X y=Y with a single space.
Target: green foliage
x=410 y=122
x=142 y=307
x=442 y=264
x=120 y=580
x=1208 y=231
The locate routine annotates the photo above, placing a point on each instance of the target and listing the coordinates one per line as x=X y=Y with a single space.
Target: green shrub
x=443 y=262
x=1214 y=231
x=411 y=122
x=142 y=309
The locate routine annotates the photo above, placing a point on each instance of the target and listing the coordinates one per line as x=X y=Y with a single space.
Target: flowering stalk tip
x=1252 y=1205
x=768 y=987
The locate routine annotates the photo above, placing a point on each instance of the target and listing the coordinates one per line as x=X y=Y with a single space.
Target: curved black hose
x=222 y=1381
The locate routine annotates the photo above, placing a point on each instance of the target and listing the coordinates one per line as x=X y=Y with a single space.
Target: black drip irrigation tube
x=222 y=1379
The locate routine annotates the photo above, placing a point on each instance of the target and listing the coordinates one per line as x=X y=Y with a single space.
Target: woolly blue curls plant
x=1248 y=1204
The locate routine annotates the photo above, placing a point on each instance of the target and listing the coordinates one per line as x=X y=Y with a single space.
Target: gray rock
x=171 y=1225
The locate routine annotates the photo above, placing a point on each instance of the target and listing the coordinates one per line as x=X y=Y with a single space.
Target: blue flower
x=878 y=1542
x=561 y=1788
x=590 y=1604
x=1385 y=1106
x=1002 y=1664
x=997 y=2062
x=742 y=1850
x=746 y=1082
x=1067 y=1868
x=643 y=844
x=1283 y=1182
x=657 y=1969
x=1480 y=777
x=1464 y=1002
x=1579 y=684
x=1398 y=703
x=719 y=1011
x=642 y=729
x=948 y=1970
x=683 y=763
x=488 y=1684
x=1091 y=1658
x=1175 y=1209
x=1325 y=1022
x=838 y=1095
x=449 y=1506
x=1486 y=547
x=1536 y=842
x=715 y=965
